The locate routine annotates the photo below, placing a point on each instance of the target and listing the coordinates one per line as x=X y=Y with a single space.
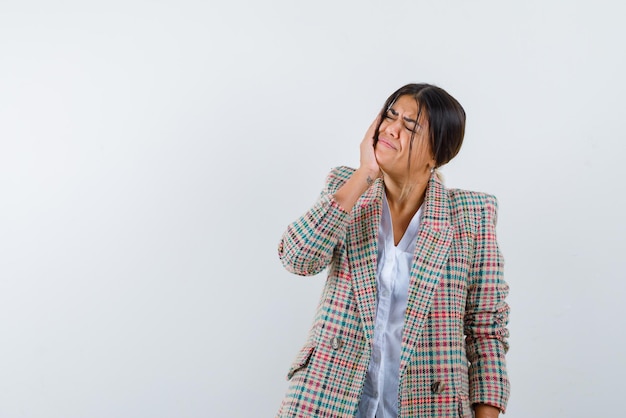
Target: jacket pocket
x=302 y=359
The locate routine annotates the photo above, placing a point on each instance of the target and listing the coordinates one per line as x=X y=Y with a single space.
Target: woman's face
x=394 y=139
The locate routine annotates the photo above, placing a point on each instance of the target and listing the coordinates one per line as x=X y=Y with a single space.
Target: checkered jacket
x=454 y=338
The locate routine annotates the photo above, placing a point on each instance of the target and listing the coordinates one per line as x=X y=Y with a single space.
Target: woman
x=412 y=319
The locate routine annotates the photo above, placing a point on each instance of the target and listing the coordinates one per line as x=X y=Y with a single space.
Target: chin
x=388 y=169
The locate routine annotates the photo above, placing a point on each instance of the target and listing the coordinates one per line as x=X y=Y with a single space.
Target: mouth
x=386 y=143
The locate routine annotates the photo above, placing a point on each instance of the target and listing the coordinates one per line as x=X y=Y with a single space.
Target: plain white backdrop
x=152 y=153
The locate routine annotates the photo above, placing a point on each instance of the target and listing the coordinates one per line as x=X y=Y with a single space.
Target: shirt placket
x=383 y=311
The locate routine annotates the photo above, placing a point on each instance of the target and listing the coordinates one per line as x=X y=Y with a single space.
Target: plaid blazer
x=455 y=336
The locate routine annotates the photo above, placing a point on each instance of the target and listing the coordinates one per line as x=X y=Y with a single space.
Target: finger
x=375 y=123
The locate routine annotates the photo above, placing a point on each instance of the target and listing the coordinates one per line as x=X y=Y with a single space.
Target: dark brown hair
x=446 y=119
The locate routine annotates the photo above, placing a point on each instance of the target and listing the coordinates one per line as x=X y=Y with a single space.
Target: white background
x=152 y=153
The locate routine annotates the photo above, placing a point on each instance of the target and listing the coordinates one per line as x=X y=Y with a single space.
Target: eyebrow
x=393 y=112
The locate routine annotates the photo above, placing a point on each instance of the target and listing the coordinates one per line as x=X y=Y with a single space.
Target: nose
x=392 y=128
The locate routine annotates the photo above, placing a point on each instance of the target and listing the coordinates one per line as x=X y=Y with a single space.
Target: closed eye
x=391 y=114
x=410 y=124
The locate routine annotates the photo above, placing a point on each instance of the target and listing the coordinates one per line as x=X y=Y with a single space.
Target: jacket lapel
x=431 y=253
x=363 y=254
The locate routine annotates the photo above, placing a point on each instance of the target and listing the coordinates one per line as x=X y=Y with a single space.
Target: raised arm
x=308 y=244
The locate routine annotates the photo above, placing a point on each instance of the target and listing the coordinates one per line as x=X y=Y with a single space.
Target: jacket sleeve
x=487 y=315
x=307 y=245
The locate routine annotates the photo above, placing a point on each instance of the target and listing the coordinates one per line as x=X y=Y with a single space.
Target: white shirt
x=380 y=392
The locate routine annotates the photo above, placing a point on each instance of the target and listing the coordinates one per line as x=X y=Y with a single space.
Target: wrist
x=482 y=410
x=368 y=175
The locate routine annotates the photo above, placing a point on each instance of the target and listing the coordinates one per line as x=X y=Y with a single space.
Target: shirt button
x=385 y=293
x=335 y=343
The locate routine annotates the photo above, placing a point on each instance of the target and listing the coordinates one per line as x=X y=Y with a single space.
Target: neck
x=406 y=195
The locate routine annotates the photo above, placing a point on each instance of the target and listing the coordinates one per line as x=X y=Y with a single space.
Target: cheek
x=380 y=153
x=422 y=150
x=422 y=147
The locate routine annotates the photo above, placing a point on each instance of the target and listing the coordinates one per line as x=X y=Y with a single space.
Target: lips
x=386 y=143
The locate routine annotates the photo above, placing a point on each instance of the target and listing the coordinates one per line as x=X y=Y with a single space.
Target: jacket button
x=438 y=387
x=335 y=343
